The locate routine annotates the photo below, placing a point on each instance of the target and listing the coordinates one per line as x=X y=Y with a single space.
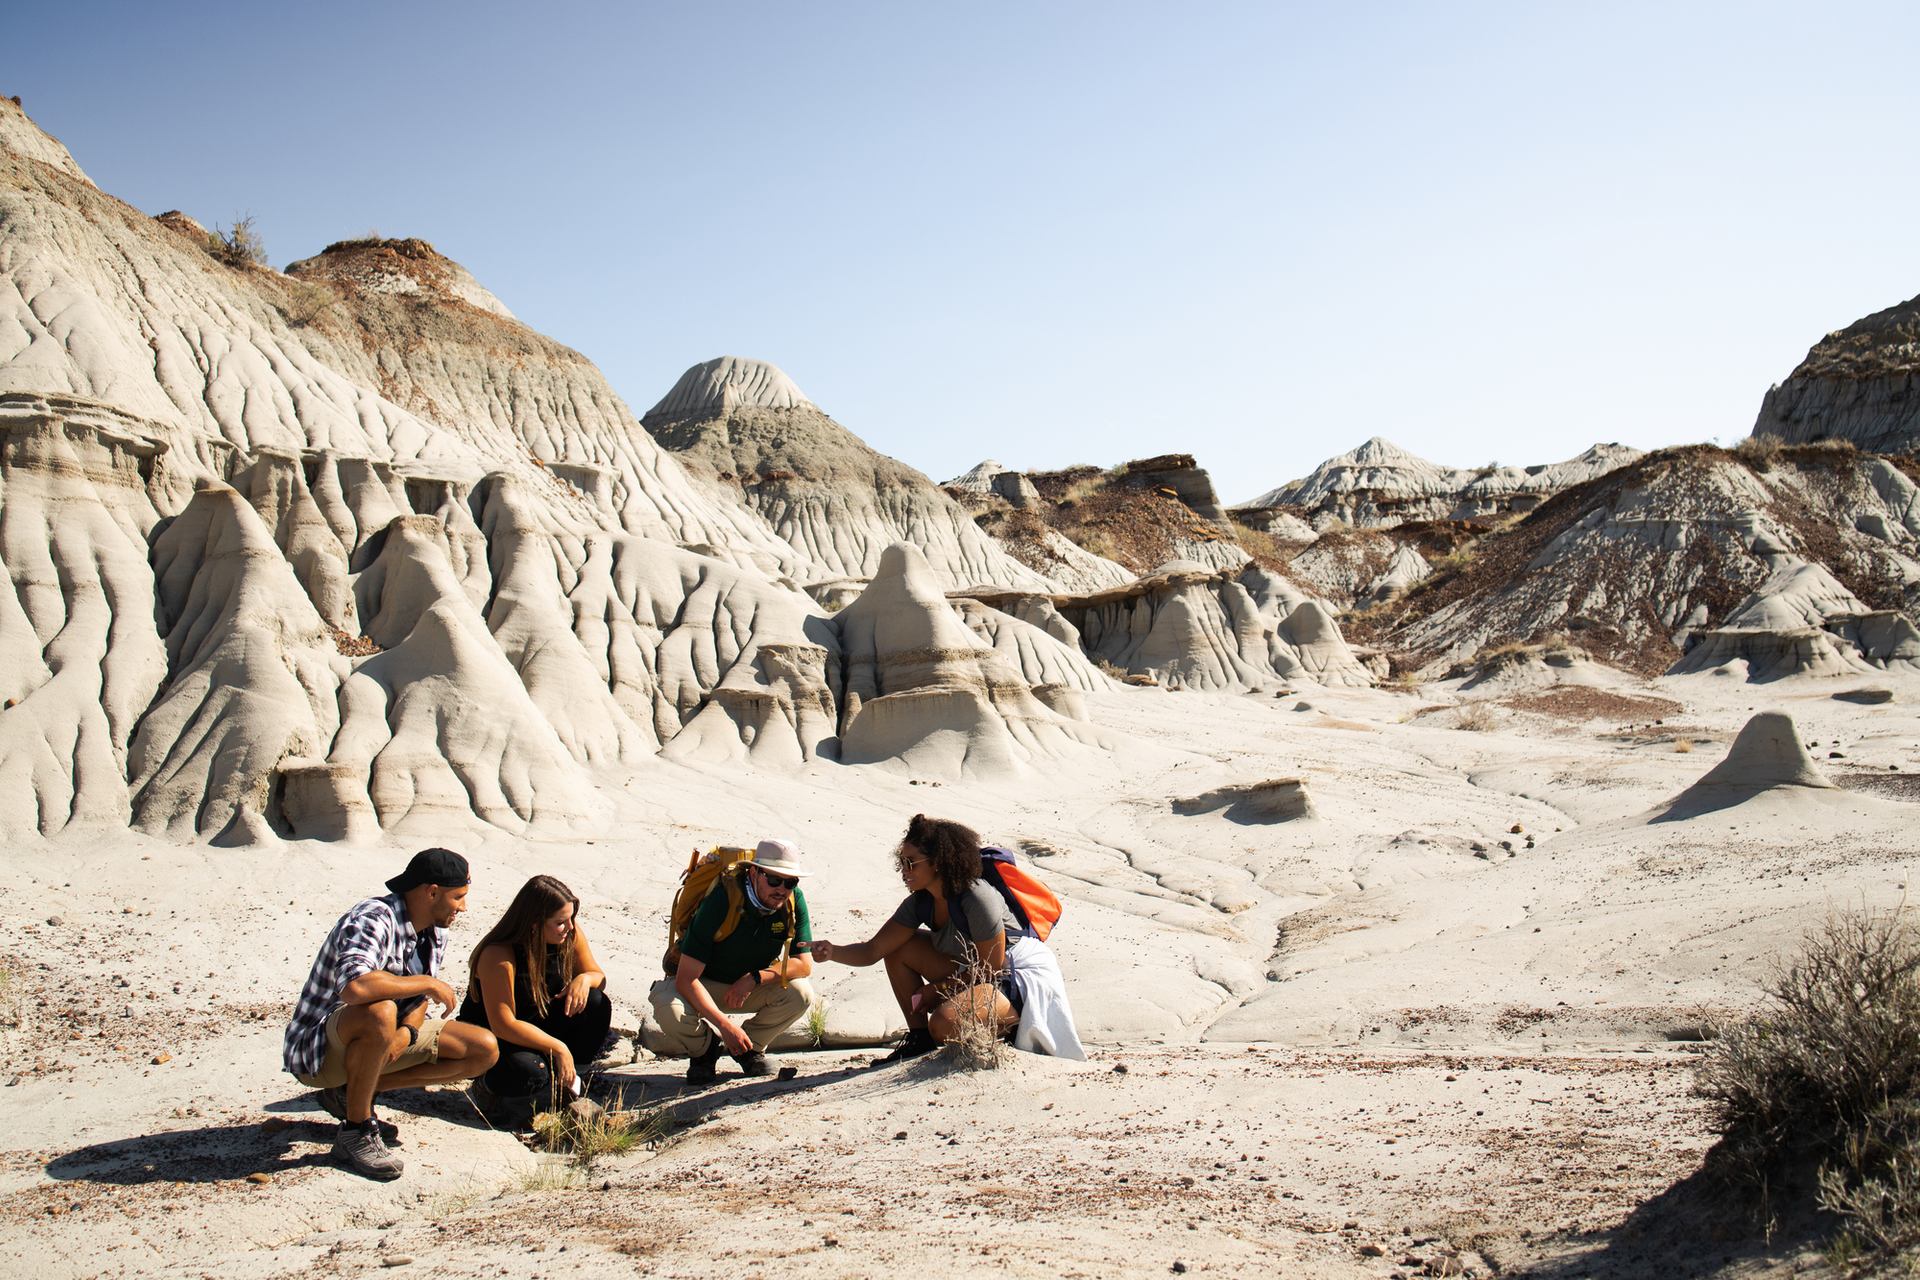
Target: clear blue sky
x=1055 y=233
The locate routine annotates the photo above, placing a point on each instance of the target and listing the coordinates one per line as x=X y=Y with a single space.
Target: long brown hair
x=523 y=930
x=954 y=851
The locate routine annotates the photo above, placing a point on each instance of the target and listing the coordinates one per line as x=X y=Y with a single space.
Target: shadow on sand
x=1693 y=1228
x=297 y=1135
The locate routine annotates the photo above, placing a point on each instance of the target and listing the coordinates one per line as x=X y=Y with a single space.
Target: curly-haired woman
x=955 y=953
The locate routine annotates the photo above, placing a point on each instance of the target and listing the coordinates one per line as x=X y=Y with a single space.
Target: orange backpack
x=1032 y=903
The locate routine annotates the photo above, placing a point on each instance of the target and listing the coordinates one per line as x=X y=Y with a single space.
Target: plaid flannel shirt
x=376 y=934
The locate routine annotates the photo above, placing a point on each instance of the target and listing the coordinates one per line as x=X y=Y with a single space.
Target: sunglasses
x=908 y=864
x=779 y=882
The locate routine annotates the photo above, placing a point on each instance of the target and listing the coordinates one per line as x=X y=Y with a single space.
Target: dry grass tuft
x=13 y=998
x=976 y=1045
x=611 y=1131
x=1683 y=746
x=1476 y=717
x=817 y=1023
x=1826 y=1077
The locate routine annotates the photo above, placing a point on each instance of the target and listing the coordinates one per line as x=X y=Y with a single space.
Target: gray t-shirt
x=975 y=916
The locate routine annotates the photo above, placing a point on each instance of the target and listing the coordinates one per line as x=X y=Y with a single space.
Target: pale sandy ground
x=1344 y=1033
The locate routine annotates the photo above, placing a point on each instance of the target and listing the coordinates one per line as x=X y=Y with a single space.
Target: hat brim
x=782 y=869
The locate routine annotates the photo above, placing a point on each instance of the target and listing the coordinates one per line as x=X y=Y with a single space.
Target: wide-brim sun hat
x=780 y=857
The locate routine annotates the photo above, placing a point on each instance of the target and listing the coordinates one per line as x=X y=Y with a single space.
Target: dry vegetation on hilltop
x=1606 y=587
x=1100 y=511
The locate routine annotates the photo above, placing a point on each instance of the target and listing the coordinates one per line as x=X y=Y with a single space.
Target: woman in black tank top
x=537 y=987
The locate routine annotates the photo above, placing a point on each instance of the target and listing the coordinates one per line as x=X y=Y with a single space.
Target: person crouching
x=537 y=987
x=361 y=1024
x=757 y=967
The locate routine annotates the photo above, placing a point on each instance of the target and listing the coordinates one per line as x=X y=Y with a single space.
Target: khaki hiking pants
x=769 y=1010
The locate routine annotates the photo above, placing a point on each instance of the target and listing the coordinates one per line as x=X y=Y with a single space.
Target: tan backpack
x=718 y=868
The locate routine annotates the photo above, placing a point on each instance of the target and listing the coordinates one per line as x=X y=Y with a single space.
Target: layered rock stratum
x=1860 y=384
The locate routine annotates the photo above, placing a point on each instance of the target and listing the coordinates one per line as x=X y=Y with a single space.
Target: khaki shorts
x=333 y=1068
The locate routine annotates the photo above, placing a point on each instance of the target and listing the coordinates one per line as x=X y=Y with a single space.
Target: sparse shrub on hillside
x=1759 y=452
x=239 y=245
x=1819 y=1091
x=307 y=301
x=1262 y=546
x=1476 y=717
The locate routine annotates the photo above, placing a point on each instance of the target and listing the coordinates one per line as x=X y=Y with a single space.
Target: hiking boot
x=334 y=1103
x=753 y=1063
x=918 y=1041
x=358 y=1146
x=701 y=1067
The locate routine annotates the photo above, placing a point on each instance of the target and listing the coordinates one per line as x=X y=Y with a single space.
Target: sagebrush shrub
x=1825 y=1079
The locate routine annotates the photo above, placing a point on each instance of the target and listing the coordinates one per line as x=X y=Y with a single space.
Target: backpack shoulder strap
x=736 y=904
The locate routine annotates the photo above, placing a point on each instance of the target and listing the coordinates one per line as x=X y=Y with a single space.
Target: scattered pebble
x=55 y=921
x=159 y=1058
x=261 y=1178
x=1371 y=1250
x=396 y=1260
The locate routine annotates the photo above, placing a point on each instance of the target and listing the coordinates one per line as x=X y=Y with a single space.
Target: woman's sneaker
x=918 y=1041
x=359 y=1148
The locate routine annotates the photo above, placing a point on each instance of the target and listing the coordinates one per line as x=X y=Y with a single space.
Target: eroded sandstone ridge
x=349 y=550
x=1860 y=384
x=745 y=428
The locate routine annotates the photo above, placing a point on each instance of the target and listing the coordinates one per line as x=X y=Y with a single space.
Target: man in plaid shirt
x=362 y=1025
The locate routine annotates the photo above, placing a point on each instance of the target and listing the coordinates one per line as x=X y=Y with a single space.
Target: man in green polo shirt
x=743 y=972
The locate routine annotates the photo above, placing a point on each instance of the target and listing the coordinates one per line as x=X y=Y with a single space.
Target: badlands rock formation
x=350 y=550
x=1860 y=384
x=923 y=689
x=1379 y=485
x=1187 y=626
x=1766 y=756
x=1646 y=562
x=744 y=427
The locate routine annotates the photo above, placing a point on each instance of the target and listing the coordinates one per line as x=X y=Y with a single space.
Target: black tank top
x=471 y=1010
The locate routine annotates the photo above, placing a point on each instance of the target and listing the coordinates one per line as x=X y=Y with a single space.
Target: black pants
x=523 y=1072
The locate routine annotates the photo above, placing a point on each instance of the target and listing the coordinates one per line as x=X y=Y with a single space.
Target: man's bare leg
x=466 y=1051
x=371 y=1038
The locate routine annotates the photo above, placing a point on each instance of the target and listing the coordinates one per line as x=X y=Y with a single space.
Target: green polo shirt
x=754 y=943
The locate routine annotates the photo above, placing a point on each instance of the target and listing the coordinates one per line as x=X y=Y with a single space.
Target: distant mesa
x=1380 y=485
x=1860 y=384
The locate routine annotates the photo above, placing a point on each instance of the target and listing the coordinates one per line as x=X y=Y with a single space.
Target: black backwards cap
x=443 y=867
